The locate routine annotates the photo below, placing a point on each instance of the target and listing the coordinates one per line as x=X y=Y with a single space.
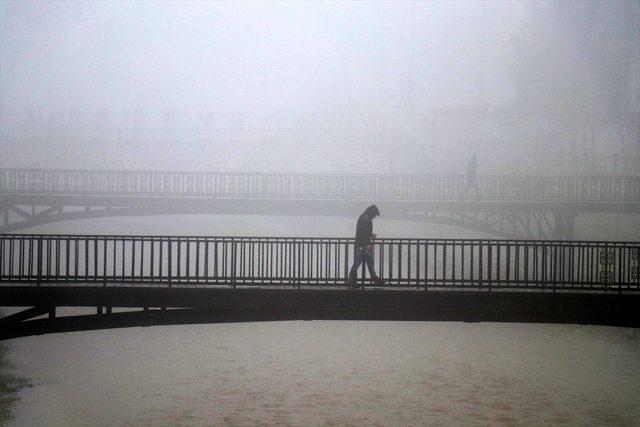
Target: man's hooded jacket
x=364 y=228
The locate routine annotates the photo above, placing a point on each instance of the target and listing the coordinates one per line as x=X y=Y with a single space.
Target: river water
x=331 y=373
x=323 y=372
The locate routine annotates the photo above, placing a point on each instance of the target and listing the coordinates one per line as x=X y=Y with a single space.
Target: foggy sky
x=291 y=86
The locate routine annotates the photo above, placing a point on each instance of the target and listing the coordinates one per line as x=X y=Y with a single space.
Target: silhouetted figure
x=363 y=246
x=472 y=182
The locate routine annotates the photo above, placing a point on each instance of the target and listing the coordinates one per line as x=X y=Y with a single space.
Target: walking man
x=363 y=246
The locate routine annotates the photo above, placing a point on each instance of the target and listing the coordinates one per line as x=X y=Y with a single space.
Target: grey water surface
x=332 y=373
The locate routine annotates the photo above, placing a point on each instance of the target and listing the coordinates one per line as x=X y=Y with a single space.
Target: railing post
x=170 y=260
x=233 y=263
x=39 y=261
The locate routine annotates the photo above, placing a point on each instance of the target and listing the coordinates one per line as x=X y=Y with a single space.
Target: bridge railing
x=321 y=186
x=270 y=261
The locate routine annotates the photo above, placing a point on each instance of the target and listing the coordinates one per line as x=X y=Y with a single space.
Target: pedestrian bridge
x=506 y=206
x=193 y=279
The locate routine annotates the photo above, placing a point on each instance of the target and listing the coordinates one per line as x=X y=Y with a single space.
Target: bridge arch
x=60 y=215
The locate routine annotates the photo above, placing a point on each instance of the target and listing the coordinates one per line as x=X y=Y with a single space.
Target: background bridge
x=507 y=206
x=231 y=279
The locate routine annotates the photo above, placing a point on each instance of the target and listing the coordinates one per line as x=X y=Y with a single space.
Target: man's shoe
x=351 y=283
x=379 y=282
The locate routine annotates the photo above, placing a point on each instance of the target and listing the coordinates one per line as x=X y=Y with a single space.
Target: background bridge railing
x=321 y=186
x=272 y=261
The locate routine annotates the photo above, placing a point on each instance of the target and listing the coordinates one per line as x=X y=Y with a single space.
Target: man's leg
x=372 y=272
x=358 y=258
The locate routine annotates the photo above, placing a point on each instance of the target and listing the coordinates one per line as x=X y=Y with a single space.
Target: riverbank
x=10 y=386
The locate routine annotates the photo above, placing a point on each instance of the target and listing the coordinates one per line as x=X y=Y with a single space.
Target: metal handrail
x=302 y=262
x=321 y=186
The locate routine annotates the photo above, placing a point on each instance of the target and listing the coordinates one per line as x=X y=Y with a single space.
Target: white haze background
x=322 y=87
x=251 y=86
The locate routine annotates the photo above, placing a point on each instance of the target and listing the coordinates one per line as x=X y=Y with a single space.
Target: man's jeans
x=360 y=256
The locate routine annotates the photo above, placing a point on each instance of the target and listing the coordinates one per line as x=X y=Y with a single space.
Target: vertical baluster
x=39 y=261
x=160 y=260
x=242 y=243
x=179 y=256
x=12 y=242
x=30 y=259
x=336 y=268
x=206 y=260
x=198 y=243
x=346 y=259
x=453 y=246
x=76 y=257
x=234 y=255
x=67 y=256
x=123 y=271
x=225 y=261
x=409 y=263
x=490 y=265
x=187 y=244
x=472 y=266
x=418 y=246
x=381 y=261
x=57 y=252
x=86 y=257
x=462 y=262
x=426 y=265
x=152 y=250
x=216 y=262
x=392 y=247
x=271 y=262
x=3 y=242
x=133 y=260
x=444 y=263
x=481 y=279
x=555 y=267
x=498 y=264
x=618 y=257
x=143 y=242
x=170 y=261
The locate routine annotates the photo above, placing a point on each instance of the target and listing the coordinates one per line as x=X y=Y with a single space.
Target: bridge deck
x=211 y=279
x=206 y=305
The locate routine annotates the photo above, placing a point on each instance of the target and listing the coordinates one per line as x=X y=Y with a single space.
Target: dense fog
x=354 y=87
x=530 y=88
x=104 y=94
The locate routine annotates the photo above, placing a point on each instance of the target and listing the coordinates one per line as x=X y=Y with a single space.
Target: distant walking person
x=472 y=182
x=363 y=246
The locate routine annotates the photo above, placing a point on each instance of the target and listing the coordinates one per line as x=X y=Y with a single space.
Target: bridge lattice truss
x=506 y=206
